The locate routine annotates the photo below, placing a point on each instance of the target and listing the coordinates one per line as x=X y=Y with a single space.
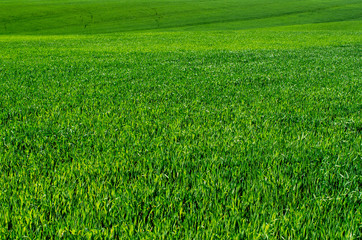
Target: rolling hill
x=183 y=119
x=92 y=17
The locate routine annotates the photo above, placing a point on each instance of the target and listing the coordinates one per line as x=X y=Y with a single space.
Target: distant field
x=223 y=120
x=91 y=16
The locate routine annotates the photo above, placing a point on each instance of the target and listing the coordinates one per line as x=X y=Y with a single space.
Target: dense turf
x=248 y=134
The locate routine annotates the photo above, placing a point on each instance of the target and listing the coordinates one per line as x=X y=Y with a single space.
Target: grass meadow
x=216 y=122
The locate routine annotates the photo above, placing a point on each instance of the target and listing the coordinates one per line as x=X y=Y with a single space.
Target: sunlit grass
x=180 y=119
x=127 y=136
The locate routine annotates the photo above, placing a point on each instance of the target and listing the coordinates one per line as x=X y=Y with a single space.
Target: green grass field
x=180 y=119
x=93 y=17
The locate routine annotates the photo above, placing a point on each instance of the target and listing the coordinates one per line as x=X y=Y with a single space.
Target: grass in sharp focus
x=251 y=134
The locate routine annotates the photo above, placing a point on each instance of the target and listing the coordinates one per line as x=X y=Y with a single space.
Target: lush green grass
x=195 y=132
x=107 y=136
x=91 y=16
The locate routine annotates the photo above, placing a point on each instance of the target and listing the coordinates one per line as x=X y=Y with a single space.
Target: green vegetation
x=91 y=16
x=198 y=131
